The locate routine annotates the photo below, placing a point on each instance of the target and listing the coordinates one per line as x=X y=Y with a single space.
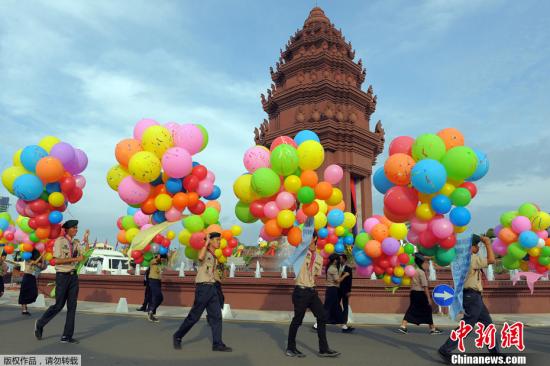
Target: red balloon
x=42 y=220
x=198 y=209
x=55 y=232
x=119 y=224
x=233 y=243
x=165 y=242
x=200 y=172
x=403 y=258
x=39 y=206
x=138 y=260
x=52 y=262
x=197 y=240
x=428 y=239
x=157 y=239
x=401 y=201
x=384 y=263
x=75 y=195
x=283 y=140
x=378 y=270
x=401 y=144
x=68 y=184
x=147 y=248
x=448 y=243
x=471 y=187
x=332 y=238
x=541 y=269
x=8 y=235
x=32 y=223
x=257 y=209
x=395 y=218
x=191 y=183
x=136 y=254
x=389 y=271
x=227 y=251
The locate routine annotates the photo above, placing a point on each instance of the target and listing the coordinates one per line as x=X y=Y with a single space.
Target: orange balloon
x=507 y=235
x=310 y=209
x=27 y=247
x=323 y=190
x=309 y=178
x=384 y=220
x=272 y=228
x=214 y=204
x=379 y=232
x=294 y=236
x=193 y=198
x=340 y=206
x=125 y=149
x=42 y=232
x=227 y=234
x=121 y=237
x=148 y=207
x=398 y=168
x=214 y=228
x=180 y=201
x=373 y=248
x=548 y=242
x=158 y=190
x=451 y=137
x=49 y=169
x=8 y=249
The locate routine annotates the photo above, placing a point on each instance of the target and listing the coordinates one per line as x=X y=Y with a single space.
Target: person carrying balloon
x=307 y=264
x=155 y=284
x=147 y=295
x=3 y=270
x=207 y=296
x=474 y=308
x=344 y=292
x=420 y=307
x=29 y=289
x=67 y=254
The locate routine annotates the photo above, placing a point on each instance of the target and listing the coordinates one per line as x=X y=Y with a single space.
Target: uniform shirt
x=3 y=268
x=155 y=271
x=332 y=276
x=419 y=280
x=473 y=280
x=62 y=250
x=207 y=272
x=346 y=283
x=32 y=268
x=306 y=277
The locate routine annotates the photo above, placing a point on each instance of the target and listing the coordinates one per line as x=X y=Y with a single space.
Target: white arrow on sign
x=445 y=295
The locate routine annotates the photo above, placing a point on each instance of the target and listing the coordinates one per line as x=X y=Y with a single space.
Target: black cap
x=475 y=239
x=214 y=235
x=69 y=224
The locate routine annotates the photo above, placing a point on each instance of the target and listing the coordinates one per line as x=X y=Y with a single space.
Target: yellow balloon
x=222 y=259
x=285 y=219
x=339 y=230
x=425 y=198
x=243 y=189
x=311 y=155
x=263 y=244
x=170 y=235
x=387 y=279
x=10 y=175
x=329 y=248
x=184 y=236
x=401 y=250
x=534 y=252
x=17 y=158
x=131 y=234
x=460 y=229
x=48 y=256
x=336 y=196
x=115 y=175
x=447 y=189
x=398 y=271
x=406 y=281
x=424 y=212
x=323 y=207
x=56 y=199
x=236 y=230
x=292 y=183
x=48 y=142
x=163 y=202
x=541 y=221
x=157 y=139
x=398 y=231
x=319 y=220
x=218 y=253
x=223 y=243
x=144 y=166
x=349 y=220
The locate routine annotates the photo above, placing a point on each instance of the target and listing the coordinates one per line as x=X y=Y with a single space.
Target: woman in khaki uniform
x=29 y=289
x=154 y=283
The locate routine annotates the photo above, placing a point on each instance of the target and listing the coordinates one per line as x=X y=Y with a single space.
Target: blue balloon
x=159 y=217
x=216 y=193
x=396 y=280
x=361 y=258
x=26 y=256
x=174 y=185
x=348 y=240
x=335 y=217
x=528 y=239
x=428 y=176
x=381 y=182
x=355 y=249
x=441 y=204
x=322 y=233
x=55 y=217
x=31 y=155
x=339 y=248
x=195 y=163
x=482 y=166
x=305 y=135
x=28 y=187
x=131 y=210
x=460 y=216
x=163 y=250
x=158 y=181
x=4 y=224
x=53 y=187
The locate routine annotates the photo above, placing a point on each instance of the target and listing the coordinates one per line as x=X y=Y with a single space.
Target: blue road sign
x=443 y=295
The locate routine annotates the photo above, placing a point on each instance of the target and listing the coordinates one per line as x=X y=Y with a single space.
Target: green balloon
x=265 y=182
x=430 y=252
x=33 y=237
x=147 y=256
x=128 y=222
x=461 y=197
x=528 y=210
x=6 y=216
x=306 y=195
x=44 y=196
x=145 y=263
x=545 y=252
x=544 y=260
x=361 y=240
x=411 y=259
x=445 y=257
x=210 y=216
x=409 y=248
x=204 y=136
x=428 y=146
x=510 y=262
x=193 y=223
x=507 y=217
x=284 y=160
x=460 y=162
x=24 y=225
x=298 y=172
x=516 y=250
x=191 y=253
x=242 y=211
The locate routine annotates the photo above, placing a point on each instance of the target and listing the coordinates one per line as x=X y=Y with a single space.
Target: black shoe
x=69 y=340
x=445 y=356
x=329 y=353
x=25 y=313
x=176 y=342
x=37 y=330
x=142 y=308
x=348 y=330
x=294 y=353
x=435 y=331
x=402 y=330
x=222 y=348
x=152 y=318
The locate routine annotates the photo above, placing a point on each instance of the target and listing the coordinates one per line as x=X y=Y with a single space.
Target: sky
x=86 y=72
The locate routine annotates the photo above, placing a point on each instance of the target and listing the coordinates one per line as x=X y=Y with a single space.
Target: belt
x=305 y=288
x=206 y=283
x=70 y=273
x=472 y=290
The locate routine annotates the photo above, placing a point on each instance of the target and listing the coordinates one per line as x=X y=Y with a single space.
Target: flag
x=144 y=237
x=460 y=267
x=297 y=257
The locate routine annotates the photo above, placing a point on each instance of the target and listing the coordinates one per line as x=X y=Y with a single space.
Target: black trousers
x=206 y=297
x=474 y=311
x=155 y=295
x=303 y=299
x=66 y=291
x=147 y=295
x=344 y=299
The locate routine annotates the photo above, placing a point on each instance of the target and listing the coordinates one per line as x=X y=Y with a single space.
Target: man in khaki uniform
x=67 y=254
x=206 y=297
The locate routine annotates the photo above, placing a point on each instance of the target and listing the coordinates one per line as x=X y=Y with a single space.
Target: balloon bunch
x=46 y=178
x=378 y=250
x=131 y=224
x=522 y=239
x=280 y=179
x=334 y=228
x=156 y=172
x=423 y=179
x=159 y=245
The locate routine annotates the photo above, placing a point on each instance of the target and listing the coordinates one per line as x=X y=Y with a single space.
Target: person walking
x=147 y=295
x=29 y=289
x=3 y=271
x=155 y=286
x=344 y=291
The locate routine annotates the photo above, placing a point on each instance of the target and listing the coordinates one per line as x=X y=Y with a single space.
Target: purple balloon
x=364 y=271
x=64 y=152
x=79 y=163
x=390 y=246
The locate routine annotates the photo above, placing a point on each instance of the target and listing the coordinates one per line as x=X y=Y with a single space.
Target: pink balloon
x=142 y=125
x=39 y=247
x=255 y=158
x=543 y=234
x=205 y=188
x=271 y=210
x=410 y=270
x=301 y=216
x=189 y=137
x=370 y=223
x=499 y=247
x=285 y=200
x=333 y=174
x=177 y=162
x=521 y=224
x=418 y=225
x=141 y=219
x=80 y=181
x=146 y=226
x=21 y=236
x=20 y=207
x=442 y=228
x=413 y=237
x=330 y=230
x=173 y=215
x=401 y=144
x=210 y=177
x=394 y=261
x=172 y=127
x=133 y=192
x=364 y=271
